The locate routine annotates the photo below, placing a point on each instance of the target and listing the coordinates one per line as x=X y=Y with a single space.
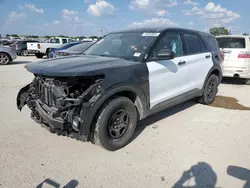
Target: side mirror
x=165 y=54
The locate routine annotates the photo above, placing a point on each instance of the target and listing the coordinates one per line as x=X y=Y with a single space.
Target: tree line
x=47 y=36
x=214 y=31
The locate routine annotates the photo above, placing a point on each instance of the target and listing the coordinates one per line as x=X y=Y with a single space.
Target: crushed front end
x=58 y=102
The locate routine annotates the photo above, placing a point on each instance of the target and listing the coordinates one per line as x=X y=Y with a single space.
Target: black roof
x=160 y=29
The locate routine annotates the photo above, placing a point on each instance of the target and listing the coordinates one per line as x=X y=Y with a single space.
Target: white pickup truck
x=41 y=49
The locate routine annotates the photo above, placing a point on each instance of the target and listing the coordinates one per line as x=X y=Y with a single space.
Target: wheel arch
x=130 y=91
x=214 y=70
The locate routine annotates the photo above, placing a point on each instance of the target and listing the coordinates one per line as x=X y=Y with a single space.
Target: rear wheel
x=39 y=55
x=4 y=59
x=210 y=90
x=115 y=124
x=25 y=52
x=247 y=81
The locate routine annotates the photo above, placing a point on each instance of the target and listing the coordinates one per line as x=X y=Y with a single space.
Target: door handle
x=208 y=56
x=182 y=62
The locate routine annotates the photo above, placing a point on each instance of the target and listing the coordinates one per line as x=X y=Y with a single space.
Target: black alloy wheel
x=118 y=124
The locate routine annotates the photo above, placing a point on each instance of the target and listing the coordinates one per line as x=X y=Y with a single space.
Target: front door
x=167 y=78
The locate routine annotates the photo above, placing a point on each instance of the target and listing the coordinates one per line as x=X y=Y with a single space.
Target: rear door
x=199 y=61
x=235 y=51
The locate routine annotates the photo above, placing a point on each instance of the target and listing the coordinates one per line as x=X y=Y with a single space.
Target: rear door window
x=64 y=41
x=55 y=40
x=194 y=44
x=229 y=42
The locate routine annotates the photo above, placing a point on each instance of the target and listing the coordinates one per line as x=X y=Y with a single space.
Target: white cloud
x=13 y=16
x=139 y=4
x=161 y=13
x=190 y=2
x=154 y=22
x=152 y=4
x=217 y=25
x=191 y=23
x=213 y=12
x=33 y=8
x=172 y=3
x=101 y=8
x=67 y=12
x=56 y=22
x=45 y=25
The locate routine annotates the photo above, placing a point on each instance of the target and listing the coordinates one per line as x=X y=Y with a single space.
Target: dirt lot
x=189 y=144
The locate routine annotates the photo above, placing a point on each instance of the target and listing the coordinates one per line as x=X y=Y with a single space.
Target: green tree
x=93 y=37
x=14 y=35
x=245 y=34
x=219 y=31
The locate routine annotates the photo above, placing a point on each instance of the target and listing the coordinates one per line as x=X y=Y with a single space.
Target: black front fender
x=21 y=97
x=89 y=114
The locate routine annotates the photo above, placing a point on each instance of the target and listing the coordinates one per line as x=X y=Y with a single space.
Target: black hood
x=83 y=65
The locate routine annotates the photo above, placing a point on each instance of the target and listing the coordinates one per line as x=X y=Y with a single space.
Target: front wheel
x=39 y=55
x=115 y=124
x=247 y=81
x=210 y=90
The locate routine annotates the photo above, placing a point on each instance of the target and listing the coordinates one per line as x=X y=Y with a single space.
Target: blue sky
x=84 y=17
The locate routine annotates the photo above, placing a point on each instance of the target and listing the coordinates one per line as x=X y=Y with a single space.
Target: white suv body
x=236 y=49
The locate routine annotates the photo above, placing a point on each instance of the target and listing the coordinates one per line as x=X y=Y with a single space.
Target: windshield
x=81 y=47
x=132 y=45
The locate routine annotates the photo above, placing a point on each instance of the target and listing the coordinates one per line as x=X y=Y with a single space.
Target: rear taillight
x=38 y=46
x=244 y=55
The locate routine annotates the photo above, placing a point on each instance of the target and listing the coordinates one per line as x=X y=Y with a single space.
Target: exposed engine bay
x=59 y=102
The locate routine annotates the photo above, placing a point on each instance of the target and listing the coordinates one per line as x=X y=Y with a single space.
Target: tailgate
x=235 y=57
x=235 y=51
x=32 y=46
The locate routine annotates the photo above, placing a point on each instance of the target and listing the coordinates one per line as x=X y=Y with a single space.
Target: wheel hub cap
x=118 y=124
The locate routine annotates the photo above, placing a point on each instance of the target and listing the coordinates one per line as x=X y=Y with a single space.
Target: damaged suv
x=125 y=77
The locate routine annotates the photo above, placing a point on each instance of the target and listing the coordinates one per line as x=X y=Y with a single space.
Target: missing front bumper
x=55 y=123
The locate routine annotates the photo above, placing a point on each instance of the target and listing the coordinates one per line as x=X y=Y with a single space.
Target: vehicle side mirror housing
x=165 y=54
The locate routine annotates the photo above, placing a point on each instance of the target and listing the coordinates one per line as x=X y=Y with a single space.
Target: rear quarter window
x=228 y=42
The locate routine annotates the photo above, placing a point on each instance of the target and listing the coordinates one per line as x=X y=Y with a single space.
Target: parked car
x=7 y=55
x=42 y=49
x=21 y=47
x=64 y=47
x=74 y=50
x=121 y=79
x=236 y=49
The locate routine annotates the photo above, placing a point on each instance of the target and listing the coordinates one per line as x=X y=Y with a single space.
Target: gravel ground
x=191 y=144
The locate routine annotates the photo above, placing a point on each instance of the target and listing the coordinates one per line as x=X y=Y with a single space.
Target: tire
x=247 y=81
x=39 y=56
x=4 y=58
x=106 y=131
x=25 y=53
x=210 y=90
x=47 y=53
